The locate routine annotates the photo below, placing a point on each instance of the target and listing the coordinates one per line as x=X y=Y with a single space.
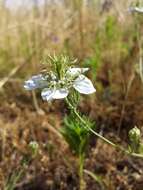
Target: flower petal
x=76 y=71
x=136 y=9
x=47 y=94
x=83 y=85
x=29 y=85
x=60 y=93
x=37 y=81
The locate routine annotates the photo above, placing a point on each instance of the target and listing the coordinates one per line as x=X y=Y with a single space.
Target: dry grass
x=101 y=37
x=63 y=28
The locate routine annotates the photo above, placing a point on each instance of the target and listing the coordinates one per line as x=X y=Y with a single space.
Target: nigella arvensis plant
x=64 y=80
x=57 y=85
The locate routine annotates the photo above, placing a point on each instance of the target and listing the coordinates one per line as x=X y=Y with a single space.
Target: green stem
x=81 y=164
x=14 y=179
x=98 y=135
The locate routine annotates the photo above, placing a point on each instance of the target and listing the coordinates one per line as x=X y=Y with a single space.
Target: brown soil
x=55 y=167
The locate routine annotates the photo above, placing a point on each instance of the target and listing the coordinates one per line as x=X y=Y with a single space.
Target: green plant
x=66 y=82
x=77 y=137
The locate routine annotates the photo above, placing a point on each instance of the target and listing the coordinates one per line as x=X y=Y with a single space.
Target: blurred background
x=104 y=36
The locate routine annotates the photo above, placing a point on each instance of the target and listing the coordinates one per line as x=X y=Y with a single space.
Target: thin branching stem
x=98 y=135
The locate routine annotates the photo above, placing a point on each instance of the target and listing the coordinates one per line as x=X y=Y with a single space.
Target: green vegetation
x=106 y=38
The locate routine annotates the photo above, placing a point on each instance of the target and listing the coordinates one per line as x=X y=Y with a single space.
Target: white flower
x=49 y=94
x=76 y=71
x=59 y=89
x=83 y=85
x=37 y=81
x=136 y=9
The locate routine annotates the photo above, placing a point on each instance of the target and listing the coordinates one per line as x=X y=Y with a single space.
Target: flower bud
x=34 y=146
x=134 y=135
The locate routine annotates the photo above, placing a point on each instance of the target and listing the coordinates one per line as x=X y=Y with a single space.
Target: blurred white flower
x=135 y=9
x=76 y=71
x=49 y=94
x=36 y=81
x=83 y=85
x=59 y=89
